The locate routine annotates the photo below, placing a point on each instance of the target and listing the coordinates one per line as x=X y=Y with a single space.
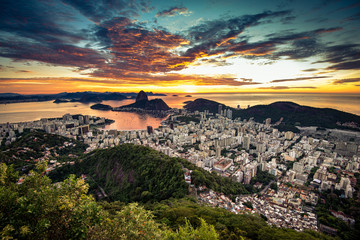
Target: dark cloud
x=37 y=20
x=287 y=20
x=119 y=47
x=348 y=80
x=354 y=17
x=215 y=61
x=173 y=11
x=342 y=57
x=56 y=54
x=310 y=70
x=297 y=79
x=23 y=71
x=101 y=10
x=220 y=36
x=350 y=65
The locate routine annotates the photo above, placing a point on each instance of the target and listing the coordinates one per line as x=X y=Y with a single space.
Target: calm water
x=20 y=112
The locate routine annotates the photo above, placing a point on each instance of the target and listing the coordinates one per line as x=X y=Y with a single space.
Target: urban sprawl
x=237 y=149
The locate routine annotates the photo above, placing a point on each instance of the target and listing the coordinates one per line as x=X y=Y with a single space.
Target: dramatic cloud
x=218 y=36
x=343 y=57
x=110 y=42
x=101 y=10
x=173 y=11
x=56 y=54
x=36 y=20
x=348 y=80
x=297 y=79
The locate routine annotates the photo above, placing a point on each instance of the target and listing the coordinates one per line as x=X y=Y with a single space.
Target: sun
x=187 y=88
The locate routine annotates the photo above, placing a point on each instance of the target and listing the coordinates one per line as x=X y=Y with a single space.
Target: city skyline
x=179 y=46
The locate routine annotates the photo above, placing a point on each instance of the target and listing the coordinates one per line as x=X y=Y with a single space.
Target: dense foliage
x=38 y=209
x=132 y=173
x=349 y=206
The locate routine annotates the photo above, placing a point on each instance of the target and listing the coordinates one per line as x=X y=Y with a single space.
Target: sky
x=195 y=46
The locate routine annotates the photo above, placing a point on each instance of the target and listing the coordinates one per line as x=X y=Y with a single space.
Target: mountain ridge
x=289 y=113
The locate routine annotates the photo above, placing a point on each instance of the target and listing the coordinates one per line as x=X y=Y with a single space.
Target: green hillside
x=131 y=173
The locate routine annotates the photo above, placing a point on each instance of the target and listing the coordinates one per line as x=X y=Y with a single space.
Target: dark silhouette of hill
x=142 y=102
x=90 y=98
x=295 y=114
x=63 y=97
x=141 y=96
x=202 y=104
x=291 y=113
x=100 y=106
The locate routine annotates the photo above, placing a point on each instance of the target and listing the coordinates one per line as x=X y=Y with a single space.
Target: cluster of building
x=71 y=126
x=236 y=149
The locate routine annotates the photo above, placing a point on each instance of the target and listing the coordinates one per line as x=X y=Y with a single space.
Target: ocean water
x=20 y=112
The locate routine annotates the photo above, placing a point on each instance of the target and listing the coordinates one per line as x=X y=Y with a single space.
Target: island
x=100 y=106
x=59 y=100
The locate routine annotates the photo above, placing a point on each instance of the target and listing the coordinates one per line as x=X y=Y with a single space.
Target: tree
x=38 y=209
x=204 y=232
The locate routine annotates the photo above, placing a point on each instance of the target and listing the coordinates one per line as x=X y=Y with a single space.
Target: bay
x=21 y=112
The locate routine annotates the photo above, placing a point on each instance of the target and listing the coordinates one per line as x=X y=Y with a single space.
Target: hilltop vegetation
x=31 y=146
x=136 y=173
x=200 y=177
x=39 y=209
x=131 y=173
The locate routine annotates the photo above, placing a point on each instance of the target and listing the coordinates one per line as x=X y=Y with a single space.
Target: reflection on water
x=20 y=112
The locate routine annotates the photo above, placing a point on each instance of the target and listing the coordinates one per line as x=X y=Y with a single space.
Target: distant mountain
x=202 y=104
x=295 y=114
x=73 y=97
x=9 y=94
x=90 y=98
x=142 y=102
x=292 y=114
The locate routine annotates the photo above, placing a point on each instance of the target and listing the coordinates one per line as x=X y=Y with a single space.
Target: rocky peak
x=141 y=96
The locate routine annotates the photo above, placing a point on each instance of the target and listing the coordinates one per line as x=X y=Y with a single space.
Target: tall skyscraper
x=219 y=109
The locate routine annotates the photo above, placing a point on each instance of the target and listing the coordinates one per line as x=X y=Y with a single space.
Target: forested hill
x=131 y=173
x=292 y=114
